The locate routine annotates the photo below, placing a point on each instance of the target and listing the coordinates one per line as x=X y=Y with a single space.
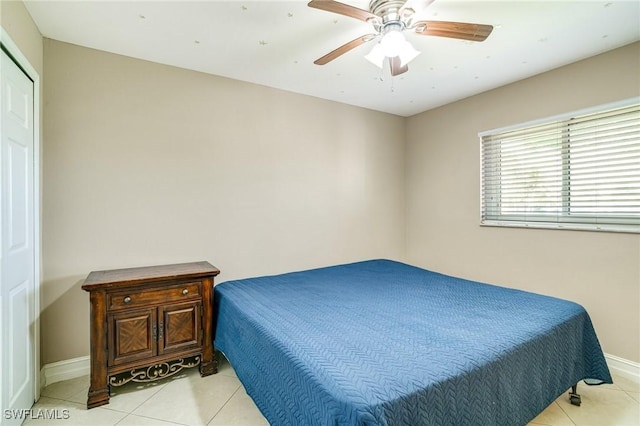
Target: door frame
x=16 y=54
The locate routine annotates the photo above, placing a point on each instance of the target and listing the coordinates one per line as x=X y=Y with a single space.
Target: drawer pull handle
x=185 y=292
x=127 y=299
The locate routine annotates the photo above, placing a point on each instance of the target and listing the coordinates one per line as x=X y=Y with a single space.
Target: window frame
x=562 y=220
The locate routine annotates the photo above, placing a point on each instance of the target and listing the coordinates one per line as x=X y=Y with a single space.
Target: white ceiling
x=274 y=43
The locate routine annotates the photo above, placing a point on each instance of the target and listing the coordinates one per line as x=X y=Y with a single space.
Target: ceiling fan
x=390 y=18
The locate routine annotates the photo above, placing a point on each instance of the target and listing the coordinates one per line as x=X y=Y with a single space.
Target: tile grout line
x=56 y=398
x=152 y=418
x=631 y=396
x=131 y=413
x=225 y=403
x=139 y=405
x=565 y=413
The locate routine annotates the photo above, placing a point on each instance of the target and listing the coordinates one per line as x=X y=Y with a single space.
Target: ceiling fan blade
x=459 y=30
x=344 y=49
x=342 y=9
x=396 y=66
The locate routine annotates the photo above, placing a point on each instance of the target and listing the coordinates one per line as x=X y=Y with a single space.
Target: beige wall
x=148 y=164
x=599 y=270
x=17 y=22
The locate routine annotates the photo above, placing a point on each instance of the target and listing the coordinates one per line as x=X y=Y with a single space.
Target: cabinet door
x=181 y=327
x=132 y=335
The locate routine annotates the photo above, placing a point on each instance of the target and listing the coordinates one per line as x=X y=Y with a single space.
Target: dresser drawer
x=152 y=296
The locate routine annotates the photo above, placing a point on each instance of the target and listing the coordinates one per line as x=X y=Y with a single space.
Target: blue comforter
x=384 y=343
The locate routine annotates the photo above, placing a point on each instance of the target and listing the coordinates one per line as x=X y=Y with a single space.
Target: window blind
x=581 y=171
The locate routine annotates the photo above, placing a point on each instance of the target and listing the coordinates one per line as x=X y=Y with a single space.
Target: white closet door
x=17 y=262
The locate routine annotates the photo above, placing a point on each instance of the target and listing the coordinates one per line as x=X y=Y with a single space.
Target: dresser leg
x=98 y=387
x=208 y=367
x=209 y=364
x=97 y=398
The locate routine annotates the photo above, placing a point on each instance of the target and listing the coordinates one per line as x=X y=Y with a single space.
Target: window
x=579 y=171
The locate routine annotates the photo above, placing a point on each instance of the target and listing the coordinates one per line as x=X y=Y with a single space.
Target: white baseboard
x=628 y=369
x=77 y=367
x=64 y=370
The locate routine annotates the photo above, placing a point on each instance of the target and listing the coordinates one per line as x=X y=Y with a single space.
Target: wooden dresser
x=148 y=323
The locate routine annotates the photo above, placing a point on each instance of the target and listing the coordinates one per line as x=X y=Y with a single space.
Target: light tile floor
x=220 y=400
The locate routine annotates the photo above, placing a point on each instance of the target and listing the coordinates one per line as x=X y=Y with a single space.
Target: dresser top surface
x=114 y=277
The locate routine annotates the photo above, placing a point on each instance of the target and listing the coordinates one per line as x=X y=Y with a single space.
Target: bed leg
x=574 y=397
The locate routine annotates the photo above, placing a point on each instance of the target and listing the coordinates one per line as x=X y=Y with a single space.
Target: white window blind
x=580 y=171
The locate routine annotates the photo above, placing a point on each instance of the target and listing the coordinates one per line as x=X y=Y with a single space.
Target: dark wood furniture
x=148 y=323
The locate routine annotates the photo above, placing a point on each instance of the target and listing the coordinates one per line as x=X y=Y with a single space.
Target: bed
x=384 y=343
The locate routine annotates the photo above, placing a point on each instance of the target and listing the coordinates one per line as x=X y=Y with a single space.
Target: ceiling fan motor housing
x=392 y=14
x=388 y=10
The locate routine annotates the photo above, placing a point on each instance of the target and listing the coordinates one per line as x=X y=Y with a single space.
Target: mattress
x=384 y=343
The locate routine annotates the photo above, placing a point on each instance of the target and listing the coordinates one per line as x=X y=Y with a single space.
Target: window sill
x=625 y=229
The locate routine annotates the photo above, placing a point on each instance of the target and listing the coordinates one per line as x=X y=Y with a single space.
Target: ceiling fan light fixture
x=392 y=43
x=407 y=54
x=376 y=57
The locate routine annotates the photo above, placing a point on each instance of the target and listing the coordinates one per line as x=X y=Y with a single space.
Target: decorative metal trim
x=154 y=372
